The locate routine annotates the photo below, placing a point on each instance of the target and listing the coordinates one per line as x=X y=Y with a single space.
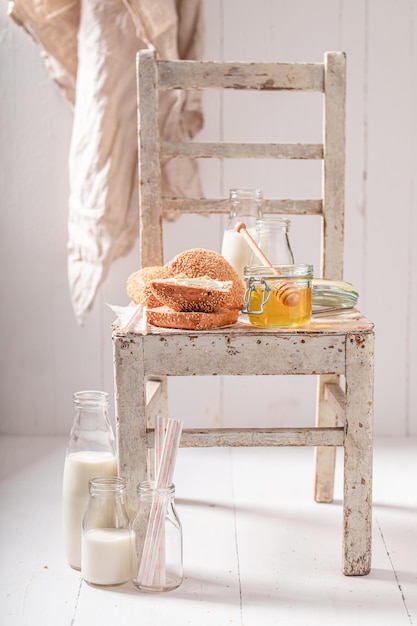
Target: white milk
x=236 y=250
x=107 y=556
x=79 y=468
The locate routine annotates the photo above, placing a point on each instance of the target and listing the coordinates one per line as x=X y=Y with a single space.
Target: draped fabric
x=89 y=47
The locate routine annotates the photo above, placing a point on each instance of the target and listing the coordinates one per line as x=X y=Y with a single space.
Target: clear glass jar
x=278 y=300
x=272 y=237
x=91 y=452
x=245 y=206
x=158 y=539
x=107 y=540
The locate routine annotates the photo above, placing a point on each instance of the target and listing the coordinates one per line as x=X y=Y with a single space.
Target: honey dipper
x=288 y=295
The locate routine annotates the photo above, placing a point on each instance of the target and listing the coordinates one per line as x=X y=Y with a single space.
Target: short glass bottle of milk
x=91 y=452
x=272 y=237
x=107 y=544
x=246 y=207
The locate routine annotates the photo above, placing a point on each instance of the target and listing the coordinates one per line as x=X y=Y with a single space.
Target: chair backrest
x=328 y=78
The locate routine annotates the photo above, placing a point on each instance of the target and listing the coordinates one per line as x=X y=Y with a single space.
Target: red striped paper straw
x=159 y=443
x=169 y=453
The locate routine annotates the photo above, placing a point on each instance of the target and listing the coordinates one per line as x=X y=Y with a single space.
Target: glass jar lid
x=333 y=294
x=298 y=270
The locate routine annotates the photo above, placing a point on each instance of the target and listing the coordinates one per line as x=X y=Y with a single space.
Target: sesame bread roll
x=199 y=262
x=138 y=285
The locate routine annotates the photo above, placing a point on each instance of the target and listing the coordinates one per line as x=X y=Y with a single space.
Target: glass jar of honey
x=279 y=296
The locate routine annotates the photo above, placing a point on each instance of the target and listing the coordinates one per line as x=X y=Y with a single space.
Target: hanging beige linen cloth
x=89 y=47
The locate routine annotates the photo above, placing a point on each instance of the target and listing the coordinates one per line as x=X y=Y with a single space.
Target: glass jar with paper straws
x=156 y=526
x=158 y=537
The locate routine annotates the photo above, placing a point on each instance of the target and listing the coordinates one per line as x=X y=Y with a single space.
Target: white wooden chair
x=338 y=348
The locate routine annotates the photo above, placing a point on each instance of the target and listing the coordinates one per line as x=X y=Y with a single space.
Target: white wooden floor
x=257 y=550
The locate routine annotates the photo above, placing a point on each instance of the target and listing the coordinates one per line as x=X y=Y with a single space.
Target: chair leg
x=325 y=456
x=130 y=409
x=155 y=406
x=358 y=449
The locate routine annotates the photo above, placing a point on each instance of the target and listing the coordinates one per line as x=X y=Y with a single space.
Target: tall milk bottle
x=246 y=207
x=91 y=453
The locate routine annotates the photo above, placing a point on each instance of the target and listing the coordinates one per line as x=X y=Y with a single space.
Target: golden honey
x=278 y=314
x=278 y=301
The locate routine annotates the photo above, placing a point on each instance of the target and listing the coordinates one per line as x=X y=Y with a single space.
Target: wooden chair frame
x=334 y=348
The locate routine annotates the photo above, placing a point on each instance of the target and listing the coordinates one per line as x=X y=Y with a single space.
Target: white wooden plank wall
x=45 y=356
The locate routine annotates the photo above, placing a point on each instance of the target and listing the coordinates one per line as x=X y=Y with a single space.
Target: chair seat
x=175 y=352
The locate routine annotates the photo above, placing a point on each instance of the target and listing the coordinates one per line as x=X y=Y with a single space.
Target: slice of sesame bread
x=191 y=320
x=182 y=293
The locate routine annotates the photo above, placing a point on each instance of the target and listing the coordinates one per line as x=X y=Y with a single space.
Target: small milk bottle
x=272 y=237
x=91 y=452
x=246 y=207
x=107 y=544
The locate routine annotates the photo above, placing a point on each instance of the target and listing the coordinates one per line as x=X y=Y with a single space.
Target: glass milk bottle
x=158 y=540
x=272 y=237
x=246 y=206
x=107 y=541
x=91 y=452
